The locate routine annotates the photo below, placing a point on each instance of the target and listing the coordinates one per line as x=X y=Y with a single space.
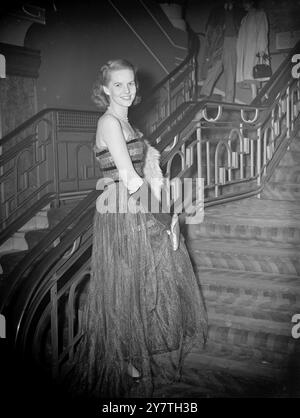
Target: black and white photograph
x=150 y=204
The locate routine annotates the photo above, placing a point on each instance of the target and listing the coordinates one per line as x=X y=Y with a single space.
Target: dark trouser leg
x=229 y=64
x=212 y=76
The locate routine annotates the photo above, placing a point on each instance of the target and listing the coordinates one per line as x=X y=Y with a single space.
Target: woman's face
x=121 y=87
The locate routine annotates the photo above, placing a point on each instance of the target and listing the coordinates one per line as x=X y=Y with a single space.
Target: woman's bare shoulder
x=109 y=129
x=107 y=120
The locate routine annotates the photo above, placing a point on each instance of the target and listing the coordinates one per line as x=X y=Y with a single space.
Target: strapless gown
x=144 y=304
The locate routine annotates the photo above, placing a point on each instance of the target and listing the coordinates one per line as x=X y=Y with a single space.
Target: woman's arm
x=112 y=135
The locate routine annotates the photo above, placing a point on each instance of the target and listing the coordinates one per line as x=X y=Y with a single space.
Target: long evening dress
x=144 y=303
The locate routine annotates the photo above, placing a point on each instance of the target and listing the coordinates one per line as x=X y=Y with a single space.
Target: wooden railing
x=278 y=81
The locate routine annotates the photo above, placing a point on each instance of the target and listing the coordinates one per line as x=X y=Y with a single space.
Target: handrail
x=36 y=252
x=23 y=219
x=160 y=26
x=43 y=274
x=146 y=46
x=29 y=122
x=41 y=271
x=58 y=251
x=34 y=281
x=272 y=87
x=268 y=133
x=193 y=51
x=196 y=108
x=31 y=167
x=46 y=242
x=65 y=223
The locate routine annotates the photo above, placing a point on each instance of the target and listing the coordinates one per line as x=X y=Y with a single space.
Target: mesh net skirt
x=143 y=306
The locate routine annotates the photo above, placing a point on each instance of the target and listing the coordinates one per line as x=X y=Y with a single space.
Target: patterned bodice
x=136 y=149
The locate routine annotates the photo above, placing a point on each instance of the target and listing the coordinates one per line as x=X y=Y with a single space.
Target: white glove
x=134 y=184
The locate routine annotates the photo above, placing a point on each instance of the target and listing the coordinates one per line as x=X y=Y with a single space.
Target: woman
x=252 y=40
x=144 y=304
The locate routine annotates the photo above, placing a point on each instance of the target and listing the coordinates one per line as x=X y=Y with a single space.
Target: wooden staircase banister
x=46 y=242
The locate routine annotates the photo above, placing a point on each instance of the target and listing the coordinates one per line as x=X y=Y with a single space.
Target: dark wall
x=74 y=43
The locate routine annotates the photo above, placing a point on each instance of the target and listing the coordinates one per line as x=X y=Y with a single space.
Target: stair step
x=218 y=374
x=231 y=188
x=251 y=218
x=44 y=221
x=207 y=376
x=228 y=360
x=232 y=322
x=257 y=209
x=34 y=237
x=17 y=242
x=286 y=174
x=13 y=254
x=291 y=158
x=248 y=309
x=259 y=356
x=55 y=215
x=275 y=230
x=39 y=221
x=240 y=246
x=245 y=255
x=295 y=144
x=267 y=340
x=228 y=286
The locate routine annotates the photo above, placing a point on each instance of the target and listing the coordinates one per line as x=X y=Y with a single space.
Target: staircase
x=284 y=184
x=247 y=257
x=17 y=247
x=246 y=252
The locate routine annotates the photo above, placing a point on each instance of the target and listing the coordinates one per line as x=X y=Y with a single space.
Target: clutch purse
x=174 y=232
x=263 y=68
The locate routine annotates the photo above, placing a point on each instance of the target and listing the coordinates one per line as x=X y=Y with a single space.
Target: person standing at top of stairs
x=220 y=49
